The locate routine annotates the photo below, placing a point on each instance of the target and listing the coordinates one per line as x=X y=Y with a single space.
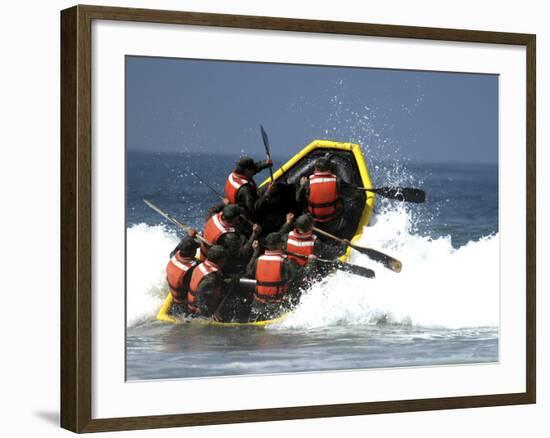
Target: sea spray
x=148 y=251
x=439 y=286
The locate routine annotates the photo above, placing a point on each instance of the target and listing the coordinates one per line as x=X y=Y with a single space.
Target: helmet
x=232 y=211
x=187 y=246
x=232 y=242
x=245 y=163
x=322 y=164
x=304 y=222
x=273 y=241
x=216 y=254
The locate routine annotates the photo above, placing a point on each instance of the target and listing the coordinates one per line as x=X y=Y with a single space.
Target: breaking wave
x=148 y=250
x=439 y=285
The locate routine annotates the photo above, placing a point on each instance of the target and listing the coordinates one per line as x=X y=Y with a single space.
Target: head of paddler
x=217 y=255
x=232 y=243
x=232 y=213
x=187 y=247
x=304 y=223
x=322 y=165
x=246 y=166
x=273 y=241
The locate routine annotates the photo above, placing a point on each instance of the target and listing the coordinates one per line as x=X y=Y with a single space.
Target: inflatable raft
x=349 y=164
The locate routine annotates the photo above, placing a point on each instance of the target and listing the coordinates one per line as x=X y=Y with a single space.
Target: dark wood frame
x=76 y=225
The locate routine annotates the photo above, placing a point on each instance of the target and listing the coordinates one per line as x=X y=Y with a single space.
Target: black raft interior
x=283 y=200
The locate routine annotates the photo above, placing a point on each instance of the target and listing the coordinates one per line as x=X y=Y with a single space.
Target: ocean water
x=443 y=308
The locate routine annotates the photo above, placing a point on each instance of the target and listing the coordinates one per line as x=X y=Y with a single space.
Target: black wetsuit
x=248 y=196
x=207 y=297
x=239 y=251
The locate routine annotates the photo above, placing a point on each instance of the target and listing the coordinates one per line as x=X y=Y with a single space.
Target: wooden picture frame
x=76 y=217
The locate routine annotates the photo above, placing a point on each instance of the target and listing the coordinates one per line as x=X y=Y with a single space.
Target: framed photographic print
x=304 y=218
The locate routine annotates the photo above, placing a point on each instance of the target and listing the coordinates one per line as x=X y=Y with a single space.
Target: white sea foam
x=438 y=286
x=148 y=250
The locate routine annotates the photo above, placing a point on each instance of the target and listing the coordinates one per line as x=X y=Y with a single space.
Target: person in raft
x=301 y=243
x=299 y=240
x=272 y=271
x=207 y=285
x=303 y=248
x=322 y=196
x=240 y=187
x=222 y=229
x=179 y=270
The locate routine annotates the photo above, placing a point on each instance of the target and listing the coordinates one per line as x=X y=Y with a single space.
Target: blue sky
x=176 y=105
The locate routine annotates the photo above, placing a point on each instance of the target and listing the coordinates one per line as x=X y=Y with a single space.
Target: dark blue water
x=462 y=199
x=462 y=205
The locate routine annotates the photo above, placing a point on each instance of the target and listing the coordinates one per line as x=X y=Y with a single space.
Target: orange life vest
x=270 y=286
x=215 y=228
x=323 y=200
x=300 y=243
x=234 y=182
x=199 y=273
x=178 y=275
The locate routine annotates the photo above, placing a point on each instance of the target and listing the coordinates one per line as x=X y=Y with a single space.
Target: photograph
x=292 y=218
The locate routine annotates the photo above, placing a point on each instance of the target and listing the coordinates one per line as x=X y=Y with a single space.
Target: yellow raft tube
x=164 y=312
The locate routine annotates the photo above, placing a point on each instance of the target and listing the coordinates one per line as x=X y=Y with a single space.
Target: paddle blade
x=407 y=194
x=388 y=261
x=356 y=270
x=266 y=140
x=267 y=151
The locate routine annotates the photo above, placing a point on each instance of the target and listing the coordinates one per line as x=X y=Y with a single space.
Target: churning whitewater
x=439 y=287
x=442 y=308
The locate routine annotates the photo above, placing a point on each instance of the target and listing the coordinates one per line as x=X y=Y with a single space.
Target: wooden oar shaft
x=175 y=221
x=218 y=194
x=346 y=267
x=332 y=236
x=247 y=281
x=388 y=261
x=302 y=256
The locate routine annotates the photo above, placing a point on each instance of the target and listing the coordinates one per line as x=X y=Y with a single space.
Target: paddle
x=175 y=221
x=352 y=269
x=407 y=194
x=247 y=281
x=266 y=145
x=346 y=267
x=388 y=261
x=218 y=194
x=216 y=316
